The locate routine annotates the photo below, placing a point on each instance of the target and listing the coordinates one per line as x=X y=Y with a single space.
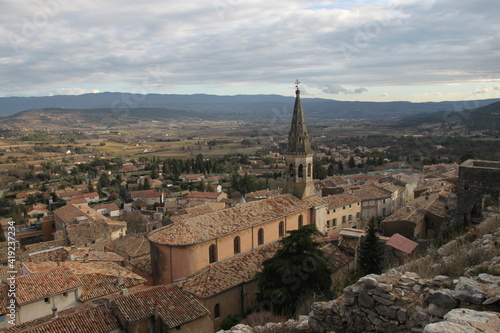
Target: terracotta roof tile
x=110 y=206
x=227 y=274
x=80 y=268
x=402 y=243
x=175 y=307
x=68 y=213
x=143 y=263
x=204 y=227
x=36 y=286
x=99 y=285
x=132 y=244
x=341 y=200
x=83 y=234
x=203 y=195
x=87 y=318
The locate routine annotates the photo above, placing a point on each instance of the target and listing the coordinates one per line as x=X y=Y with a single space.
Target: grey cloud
x=416 y=42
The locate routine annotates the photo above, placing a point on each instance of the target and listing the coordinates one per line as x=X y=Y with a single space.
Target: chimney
x=124 y=291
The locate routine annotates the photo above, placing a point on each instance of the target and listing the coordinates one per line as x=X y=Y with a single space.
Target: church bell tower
x=299 y=156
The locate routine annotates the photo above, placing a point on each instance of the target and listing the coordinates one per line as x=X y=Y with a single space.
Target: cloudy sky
x=367 y=50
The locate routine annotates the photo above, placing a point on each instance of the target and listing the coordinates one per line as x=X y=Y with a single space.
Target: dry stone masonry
x=396 y=302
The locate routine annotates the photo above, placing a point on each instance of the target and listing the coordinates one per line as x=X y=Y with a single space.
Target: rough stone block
x=469 y=290
x=365 y=300
x=442 y=298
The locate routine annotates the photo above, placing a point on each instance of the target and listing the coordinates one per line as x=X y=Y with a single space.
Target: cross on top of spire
x=297 y=82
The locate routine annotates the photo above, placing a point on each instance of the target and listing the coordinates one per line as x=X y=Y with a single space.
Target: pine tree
x=298 y=269
x=371 y=251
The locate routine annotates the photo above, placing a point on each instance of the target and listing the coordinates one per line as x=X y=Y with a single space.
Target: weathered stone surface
x=388 y=296
x=447 y=327
x=466 y=320
x=468 y=290
x=491 y=300
x=442 y=298
x=384 y=287
x=382 y=300
x=487 y=278
x=441 y=278
x=402 y=317
x=365 y=300
x=387 y=311
x=436 y=310
x=369 y=282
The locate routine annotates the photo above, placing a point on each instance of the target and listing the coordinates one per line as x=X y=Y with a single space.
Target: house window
x=92 y=243
x=237 y=248
x=384 y=211
x=350 y=206
x=343 y=208
x=217 y=310
x=301 y=171
x=46 y=300
x=350 y=217
x=178 y=328
x=65 y=294
x=301 y=221
x=281 y=229
x=344 y=218
x=334 y=222
x=260 y=236
x=357 y=215
x=212 y=253
x=383 y=201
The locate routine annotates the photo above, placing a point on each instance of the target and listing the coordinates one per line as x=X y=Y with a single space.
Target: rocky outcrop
x=396 y=302
x=466 y=320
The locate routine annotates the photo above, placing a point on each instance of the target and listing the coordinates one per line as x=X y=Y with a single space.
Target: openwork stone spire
x=298 y=137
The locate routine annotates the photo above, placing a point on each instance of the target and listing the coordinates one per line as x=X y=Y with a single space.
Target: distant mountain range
x=231 y=107
x=482 y=118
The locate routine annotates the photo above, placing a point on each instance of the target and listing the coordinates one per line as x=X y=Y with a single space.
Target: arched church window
x=281 y=229
x=309 y=170
x=212 y=253
x=290 y=170
x=237 y=246
x=301 y=171
x=301 y=221
x=260 y=236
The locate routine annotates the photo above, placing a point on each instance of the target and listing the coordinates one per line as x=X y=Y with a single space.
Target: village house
x=197 y=177
x=41 y=294
x=398 y=250
x=422 y=218
x=343 y=211
x=97 y=278
x=150 y=197
x=369 y=207
x=91 y=197
x=111 y=209
x=383 y=200
x=84 y=227
x=161 y=309
x=397 y=194
x=41 y=230
x=213 y=199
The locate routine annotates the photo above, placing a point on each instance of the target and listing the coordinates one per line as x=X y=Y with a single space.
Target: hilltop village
x=130 y=250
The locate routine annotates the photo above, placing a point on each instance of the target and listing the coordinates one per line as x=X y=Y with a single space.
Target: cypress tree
x=371 y=251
